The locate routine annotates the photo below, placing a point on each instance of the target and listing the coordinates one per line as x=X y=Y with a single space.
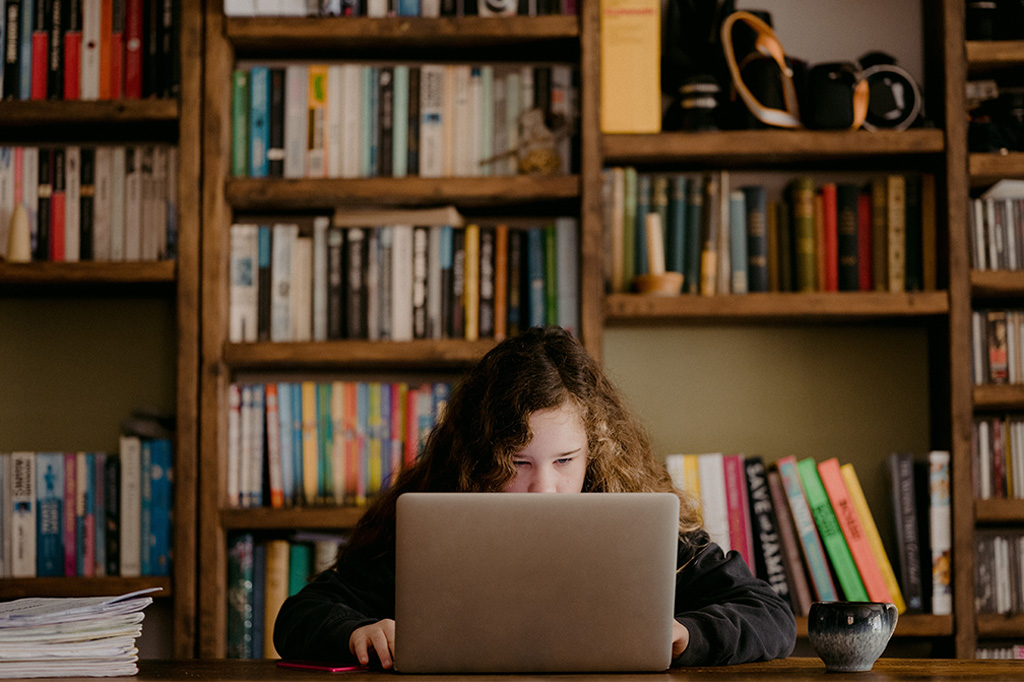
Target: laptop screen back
x=521 y=582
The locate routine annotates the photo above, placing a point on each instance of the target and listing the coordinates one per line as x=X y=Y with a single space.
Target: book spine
x=259 y=121
x=99 y=510
x=325 y=444
x=239 y=596
x=11 y=72
x=901 y=471
x=159 y=531
x=85 y=515
x=103 y=199
x=856 y=539
x=487 y=283
x=296 y=120
x=737 y=504
x=629 y=66
x=337 y=410
x=49 y=530
x=242 y=307
x=410 y=308
x=86 y=203
x=471 y=292
x=847 y=227
x=796 y=574
x=72 y=199
x=310 y=451
x=865 y=268
x=40 y=49
x=940 y=532
x=240 y=111
x=711 y=470
x=913 y=234
x=435 y=320
x=145 y=506
x=458 y=310
x=501 y=268
x=70 y=523
x=316 y=149
x=133 y=44
x=803 y=521
x=896 y=223
x=768 y=556
x=112 y=513
x=804 y=239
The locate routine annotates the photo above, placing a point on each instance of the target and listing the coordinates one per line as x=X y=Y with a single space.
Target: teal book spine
x=831 y=534
x=755 y=203
x=160 y=473
x=535 y=276
x=675 y=226
x=363 y=439
x=738 y=242
x=49 y=468
x=803 y=521
x=85 y=514
x=694 y=219
x=239 y=596
x=295 y=431
x=325 y=440
x=259 y=121
x=300 y=566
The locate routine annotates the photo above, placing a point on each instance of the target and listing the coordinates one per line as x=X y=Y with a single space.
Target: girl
x=536 y=414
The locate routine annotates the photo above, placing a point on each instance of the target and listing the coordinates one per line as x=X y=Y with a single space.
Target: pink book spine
x=740 y=537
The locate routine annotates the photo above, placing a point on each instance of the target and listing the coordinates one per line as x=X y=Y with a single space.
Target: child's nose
x=544 y=480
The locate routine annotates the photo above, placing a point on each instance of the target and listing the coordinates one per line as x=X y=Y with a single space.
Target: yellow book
x=867 y=521
x=691 y=474
x=310 y=446
x=630 y=66
x=471 y=286
x=316 y=153
x=896 y=213
x=375 y=426
x=275 y=591
x=338 y=441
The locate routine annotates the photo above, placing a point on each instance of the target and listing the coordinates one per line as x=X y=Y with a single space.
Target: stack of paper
x=72 y=637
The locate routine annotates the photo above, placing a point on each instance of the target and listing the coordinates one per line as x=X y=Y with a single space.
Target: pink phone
x=322 y=667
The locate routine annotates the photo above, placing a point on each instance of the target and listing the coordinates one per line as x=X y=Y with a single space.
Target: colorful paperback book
x=85 y=514
x=158 y=536
x=940 y=532
x=814 y=553
x=49 y=531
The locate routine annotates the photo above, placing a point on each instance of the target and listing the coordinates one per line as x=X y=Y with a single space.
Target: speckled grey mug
x=850 y=635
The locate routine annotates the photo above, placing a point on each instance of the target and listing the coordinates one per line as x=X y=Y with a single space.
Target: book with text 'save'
x=803 y=521
x=768 y=553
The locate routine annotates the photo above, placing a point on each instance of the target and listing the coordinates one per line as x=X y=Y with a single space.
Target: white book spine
x=118 y=207
x=242 y=303
x=102 y=204
x=711 y=470
x=296 y=120
x=435 y=324
x=6 y=195
x=430 y=8
x=568 y=257
x=267 y=8
x=291 y=8
x=90 y=72
x=499 y=132
x=401 y=283
x=513 y=110
x=131 y=505
x=234 y=442
x=147 y=226
x=72 y=203
x=133 y=204
x=432 y=104
x=302 y=289
x=350 y=143
x=239 y=8
x=400 y=125
x=487 y=122
x=158 y=222
x=320 y=225
x=22 y=503
x=284 y=236
x=376 y=8
x=461 y=141
x=473 y=149
x=335 y=106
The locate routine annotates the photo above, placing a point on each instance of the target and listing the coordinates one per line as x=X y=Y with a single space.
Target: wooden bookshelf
x=87 y=272
x=991 y=55
x=19 y=588
x=986 y=168
x=1009 y=625
x=998 y=511
x=18 y=113
x=357 y=354
x=313 y=518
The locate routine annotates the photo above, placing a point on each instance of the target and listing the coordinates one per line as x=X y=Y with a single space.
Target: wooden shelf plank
x=997 y=283
x=309 y=518
x=262 y=193
x=1000 y=625
x=765 y=146
x=990 y=55
x=999 y=511
x=987 y=168
x=421 y=354
x=91 y=272
x=908 y=625
x=18 y=588
x=999 y=397
x=41 y=112
x=250 y=33
x=630 y=308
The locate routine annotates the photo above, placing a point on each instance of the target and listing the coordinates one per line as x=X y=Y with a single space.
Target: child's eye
x=563 y=460
x=519 y=462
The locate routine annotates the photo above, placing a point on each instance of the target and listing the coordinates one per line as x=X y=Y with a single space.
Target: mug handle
x=895 y=616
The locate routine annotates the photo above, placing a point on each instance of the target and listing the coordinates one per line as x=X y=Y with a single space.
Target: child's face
x=555 y=461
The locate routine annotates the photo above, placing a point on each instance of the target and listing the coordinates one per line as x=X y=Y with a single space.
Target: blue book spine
x=675 y=230
x=738 y=242
x=384 y=433
x=259 y=452
x=535 y=276
x=28 y=12
x=400 y=125
x=146 y=507
x=408 y=8
x=100 y=514
x=366 y=132
x=296 y=435
x=85 y=516
x=49 y=514
x=284 y=414
x=259 y=121
x=159 y=532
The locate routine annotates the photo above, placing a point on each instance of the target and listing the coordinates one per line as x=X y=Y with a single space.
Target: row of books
x=806 y=528
x=1009 y=651
x=87 y=513
x=262 y=573
x=335 y=443
x=400 y=8
x=836 y=236
x=998 y=457
x=997 y=227
x=89 y=50
x=358 y=120
x=85 y=203
x=996 y=346
x=401 y=282
x=999 y=571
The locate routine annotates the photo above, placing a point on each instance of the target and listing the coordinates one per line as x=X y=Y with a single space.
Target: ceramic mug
x=849 y=636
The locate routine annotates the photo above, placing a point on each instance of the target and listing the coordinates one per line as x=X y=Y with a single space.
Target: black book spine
x=386 y=116
x=10 y=41
x=355 y=265
x=275 y=153
x=151 y=21
x=335 y=283
x=56 y=17
x=42 y=244
x=112 y=512
x=413 y=167
x=263 y=283
x=847 y=196
x=515 y=262
x=770 y=566
x=87 y=190
x=170 y=63
x=486 y=271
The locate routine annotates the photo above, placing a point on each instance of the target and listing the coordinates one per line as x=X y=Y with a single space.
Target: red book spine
x=133 y=49
x=411 y=433
x=864 y=245
x=57 y=208
x=740 y=537
x=40 y=59
x=106 y=31
x=73 y=65
x=831 y=233
x=70 y=515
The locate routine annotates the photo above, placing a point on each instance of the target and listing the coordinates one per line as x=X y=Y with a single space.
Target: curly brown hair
x=486 y=422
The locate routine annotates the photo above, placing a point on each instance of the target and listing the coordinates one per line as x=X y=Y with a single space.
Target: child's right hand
x=380 y=636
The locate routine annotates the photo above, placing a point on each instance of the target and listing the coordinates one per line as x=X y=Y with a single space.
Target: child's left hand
x=680 y=638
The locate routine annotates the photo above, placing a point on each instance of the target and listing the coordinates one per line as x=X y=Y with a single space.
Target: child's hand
x=381 y=637
x=680 y=638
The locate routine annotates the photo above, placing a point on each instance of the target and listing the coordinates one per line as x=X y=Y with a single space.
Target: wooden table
x=788 y=670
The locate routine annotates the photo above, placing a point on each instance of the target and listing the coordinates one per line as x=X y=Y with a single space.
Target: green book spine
x=550 y=274
x=805 y=247
x=675 y=227
x=831 y=534
x=325 y=442
x=300 y=566
x=629 y=227
x=694 y=218
x=240 y=123
x=755 y=203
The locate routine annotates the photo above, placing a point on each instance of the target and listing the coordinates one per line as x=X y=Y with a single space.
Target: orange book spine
x=849 y=522
x=106 y=38
x=500 y=282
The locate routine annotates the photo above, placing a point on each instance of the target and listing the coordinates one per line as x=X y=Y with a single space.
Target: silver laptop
x=528 y=582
